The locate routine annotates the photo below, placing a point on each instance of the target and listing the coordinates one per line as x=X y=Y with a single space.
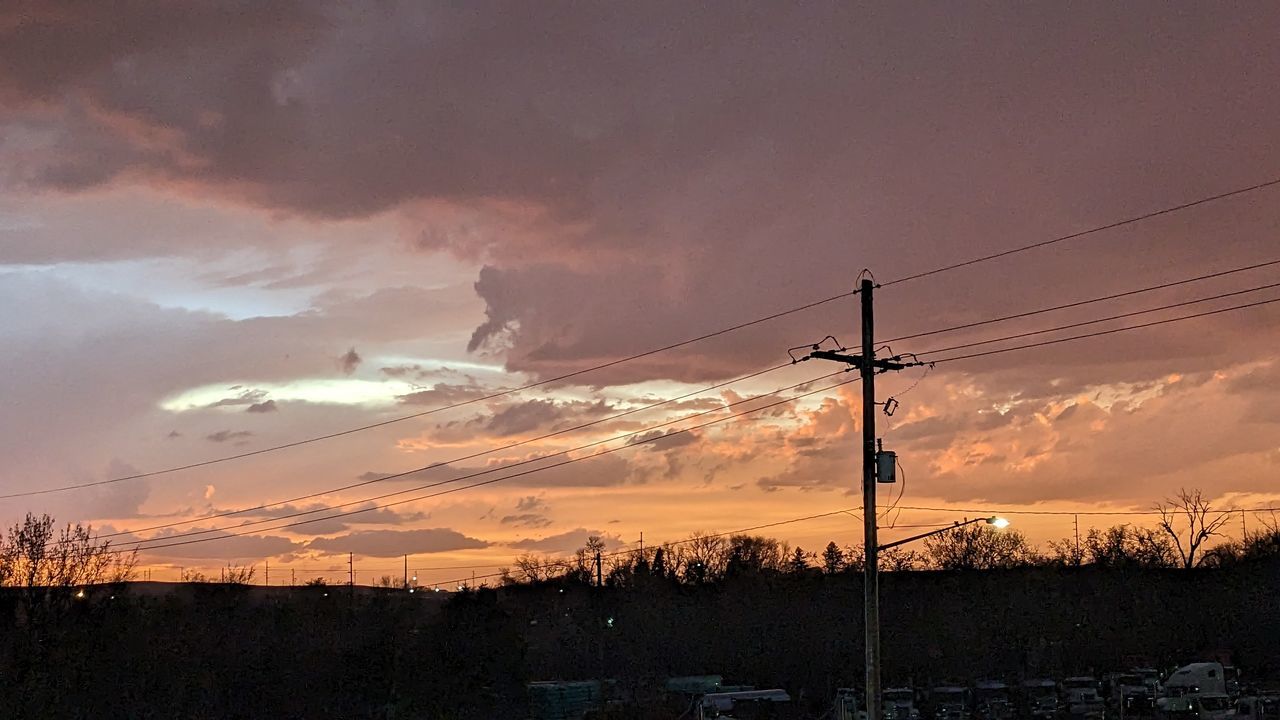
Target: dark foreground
x=218 y=651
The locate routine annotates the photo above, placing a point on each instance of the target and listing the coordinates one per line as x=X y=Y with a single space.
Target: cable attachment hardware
x=813 y=347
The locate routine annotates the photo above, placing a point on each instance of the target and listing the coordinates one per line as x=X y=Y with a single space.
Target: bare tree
x=705 y=557
x=239 y=574
x=32 y=555
x=1189 y=520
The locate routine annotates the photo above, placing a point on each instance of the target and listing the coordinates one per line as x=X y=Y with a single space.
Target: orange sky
x=222 y=231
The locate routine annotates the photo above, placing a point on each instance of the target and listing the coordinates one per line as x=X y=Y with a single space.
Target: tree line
x=1183 y=538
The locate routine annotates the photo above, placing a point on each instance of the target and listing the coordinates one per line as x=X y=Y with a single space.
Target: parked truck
x=1038 y=699
x=991 y=701
x=1083 y=699
x=900 y=704
x=949 y=702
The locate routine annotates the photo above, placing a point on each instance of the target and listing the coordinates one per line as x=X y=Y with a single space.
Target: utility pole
x=268 y=562
x=293 y=577
x=871 y=583
x=1077 y=526
x=406 y=572
x=1244 y=529
x=868 y=367
x=599 y=575
x=351 y=570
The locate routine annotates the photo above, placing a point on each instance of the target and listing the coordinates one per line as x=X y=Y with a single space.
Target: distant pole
x=1244 y=530
x=1077 y=525
x=599 y=573
x=293 y=577
x=641 y=543
x=268 y=562
x=351 y=569
x=406 y=572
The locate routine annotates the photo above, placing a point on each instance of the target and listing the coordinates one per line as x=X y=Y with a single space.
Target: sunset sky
x=226 y=226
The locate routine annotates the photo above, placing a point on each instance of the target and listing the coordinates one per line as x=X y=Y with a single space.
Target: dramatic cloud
x=201 y=205
x=392 y=543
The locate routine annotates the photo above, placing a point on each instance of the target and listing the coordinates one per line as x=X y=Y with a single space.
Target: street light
x=995 y=520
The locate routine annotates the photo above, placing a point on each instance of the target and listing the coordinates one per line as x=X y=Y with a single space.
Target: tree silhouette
x=832 y=559
x=1189 y=520
x=979 y=547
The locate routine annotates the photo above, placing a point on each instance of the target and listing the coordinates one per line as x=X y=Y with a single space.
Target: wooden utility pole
x=868 y=367
x=871 y=587
x=406 y=572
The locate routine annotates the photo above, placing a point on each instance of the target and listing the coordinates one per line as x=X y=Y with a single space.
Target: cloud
x=218 y=544
x=530 y=502
x=245 y=397
x=664 y=439
x=349 y=362
x=528 y=520
x=226 y=435
x=266 y=406
x=567 y=541
x=445 y=394
x=391 y=543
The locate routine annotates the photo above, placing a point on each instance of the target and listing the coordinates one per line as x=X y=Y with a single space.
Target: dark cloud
x=567 y=541
x=266 y=406
x=528 y=520
x=349 y=361
x=445 y=394
x=664 y=439
x=391 y=543
x=227 y=435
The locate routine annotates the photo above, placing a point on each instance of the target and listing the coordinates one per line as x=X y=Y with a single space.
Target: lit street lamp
x=998 y=522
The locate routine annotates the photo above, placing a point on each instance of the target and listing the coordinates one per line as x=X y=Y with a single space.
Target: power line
x=1090 y=231
x=1068 y=513
x=375 y=507
x=628 y=551
x=1080 y=303
x=1105 y=332
x=625 y=436
x=647 y=353
x=463 y=458
x=442 y=408
x=638 y=441
x=1102 y=320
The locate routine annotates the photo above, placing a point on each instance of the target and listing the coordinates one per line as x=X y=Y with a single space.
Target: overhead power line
x=572 y=460
x=463 y=458
x=442 y=408
x=675 y=543
x=1079 y=303
x=1101 y=333
x=638 y=440
x=1090 y=231
x=1120 y=316
x=644 y=354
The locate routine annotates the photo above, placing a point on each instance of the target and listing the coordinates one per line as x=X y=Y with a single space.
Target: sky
x=226 y=226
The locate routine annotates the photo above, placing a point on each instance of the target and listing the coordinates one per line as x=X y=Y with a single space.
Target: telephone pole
x=868 y=367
